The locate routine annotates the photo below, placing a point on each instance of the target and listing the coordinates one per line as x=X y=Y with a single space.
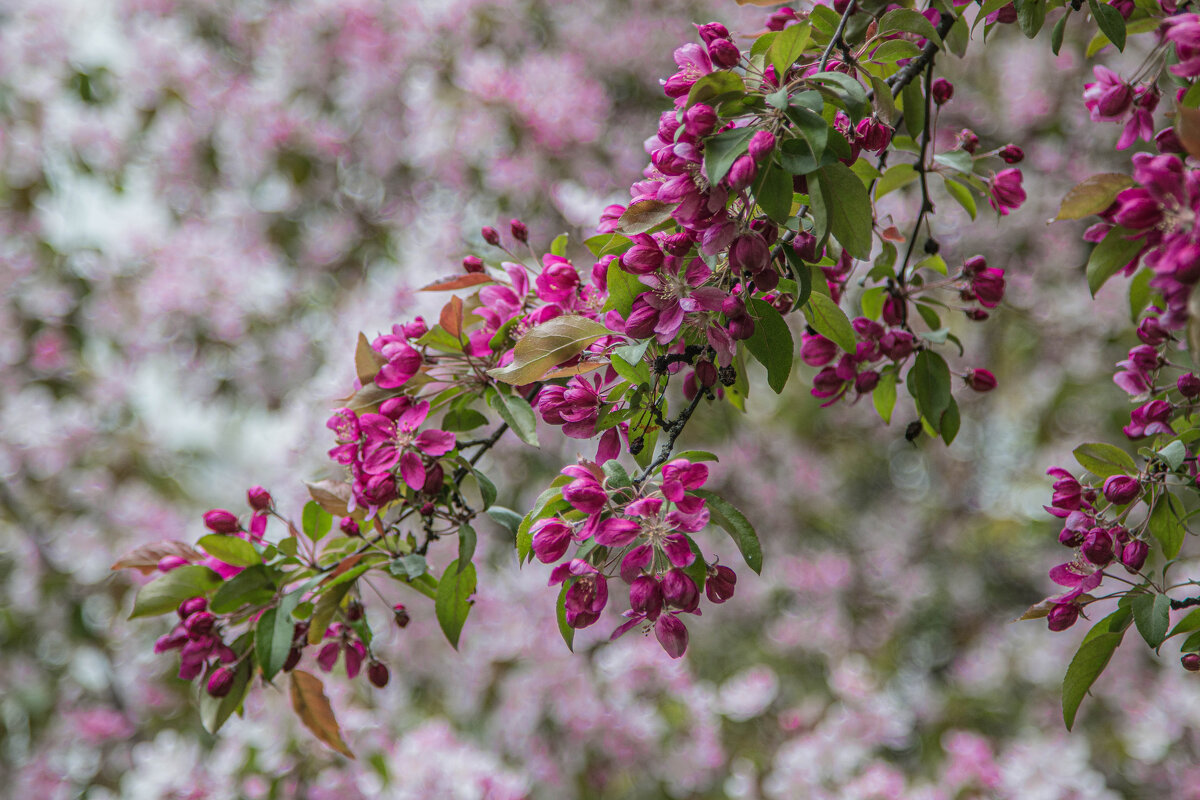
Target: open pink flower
x=388 y=442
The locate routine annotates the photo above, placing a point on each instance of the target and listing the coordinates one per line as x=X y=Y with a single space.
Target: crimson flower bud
x=866 y=381
x=733 y=306
x=720 y=584
x=1121 y=489
x=1062 y=616
x=1188 y=385
x=1191 y=662
x=671 y=634
x=472 y=264
x=749 y=252
x=805 y=246
x=679 y=590
x=724 y=53
x=435 y=476
x=943 y=90
x=981 y=380
x=968 y=141
x=1152 y=332
x=349 y=527
x=1167 y=141
x=258 y=498
x=1098 y=547
x=742 y=173
x=741 y=327
x=1012 y=154
x=706 y=373
x=220 y=682
x=974 y=266
x=491 y=235
x=193 y=605
x=400 y=614
x=712 y=31
x=840 y=6
x=354 y=611
x=221 y=521
x=762 y=144
x=168 y=563
x=416 y=329
x=1006 y=15
x=172 y=641
x=377 y=673
x=293 y=658
x=1133 y=555
x=976 y=314
x=200 y=623
x=677 y=244
x=699 y=120
x=519 y=230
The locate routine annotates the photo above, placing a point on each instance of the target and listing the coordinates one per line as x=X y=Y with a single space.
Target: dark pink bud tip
x=378 y=674
x=491 y=235
x=1121 y=489
x=943 y=90
x=1188 y=385
x=193 y=605
x=1133 y=555
x=258 y=498
x=220 y=682
x=519 y=230
x=1191 y=662
x=1062 y=616
x=400 y=614
x=1012 y=154
x=293 y=658
x=472 y=264
x=981 y=380
x=200 y=623
x=221 y=521
x=168 y=563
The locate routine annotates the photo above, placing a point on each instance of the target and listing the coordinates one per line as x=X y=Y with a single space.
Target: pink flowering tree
x=758 y=234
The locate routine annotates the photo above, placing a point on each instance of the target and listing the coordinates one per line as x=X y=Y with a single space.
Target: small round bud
x=943 y=90
x=193 y=605
x=700 y=120
x=1133 y=555
x=221 y=521
x=1098 y=547
x=724 y=53
x=427 y=509
x=200 y=623
x=258 y=498
x=741 y=327
x=1012 y=154
x=1062 y=616
x=968 y=141
x=932 y=246
x=472 y=264
x=491 y=235
x=762 y=144
x=742 y=173
x=706 y=373
x=349 y=526
x=1191 y=662
x=981 y=380
x=1121 y=489
x=220 y=682
x=400 y=614
x=168 y=563
x=377 y=673
x=733 y=306
x=973 y=266
x=712 y=31
x=866 y=381
x=1188 y=385
x=519 y=230
x=354 y=611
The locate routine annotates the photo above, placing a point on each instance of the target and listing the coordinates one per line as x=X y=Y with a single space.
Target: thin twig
x=836 y=39
x=672 y=429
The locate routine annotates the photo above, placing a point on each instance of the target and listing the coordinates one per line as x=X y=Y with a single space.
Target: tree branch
x=836 y=39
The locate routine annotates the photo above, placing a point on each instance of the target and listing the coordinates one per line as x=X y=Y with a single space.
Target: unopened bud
x=981 y=380
x=258 y=498
x=720 y=584
x=293 y=658
x=1121 y=489
x=220 y=682
x=1012 y=154
x=1191 y=662
x=1133 y=555
x=354 y=611
x=762 y=144
x=491 y=235
x=193 y=605
x=472 y=264
x=400 y=614
x=377 y=673
x=968 y=141
x=943 y=90
x=706 y=373
x=1188 y=385
x=519 y=230
x=200 y=623
x=1062 y=616
x=733 y=306
x=221 y=521
x=349 y=526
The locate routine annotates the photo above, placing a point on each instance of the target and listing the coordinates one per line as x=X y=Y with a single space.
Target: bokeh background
x=203 y=202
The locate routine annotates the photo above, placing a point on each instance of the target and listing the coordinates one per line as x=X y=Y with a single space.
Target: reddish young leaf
x=145 y=558
x=452 y=317
x=366 y=361
x=464 y=281
x=312 y=707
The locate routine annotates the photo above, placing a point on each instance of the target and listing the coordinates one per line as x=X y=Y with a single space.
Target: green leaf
x=273 y=635
x=884 y=396
x=466 y=545
x=165 y=593
x=895 y=177
x=893 y=50
x=315 y=521
x=929 y=384
x=698 y=569
x=1140 y=292
x=1166 y=524
x=1110 y=257
x=1093 y=195
x=905 y=19
x=787 y=47
x=439 y=338
x=697 y=455
x=254 y=586
x=615 y=475
x=487 y=489
x=1152 y=615
x=516 y=411
x=828 y=319
x=1105 y=460
x=1173 y=454
x=558 y=246
x=845 y=203
x=506 y=518
x=564 y=630
x=623 y=289
x=959 y=160
x=1190 y=622
x=1110 y=21
x=715 y=86
x=722 y=512
x=913 y=102
x=1089 y=661
x=458 y=420
x=1056 y=35
x=608 y=244
x=547 y=345
x=453 y=602
x=1031 y=15
x=773 y=192
x=959 y=36
x=846 y=91
x=721 y=150
x=950 y=422
x=231 y=549
x=771 y=343
x=411 y=566
x=962 y=195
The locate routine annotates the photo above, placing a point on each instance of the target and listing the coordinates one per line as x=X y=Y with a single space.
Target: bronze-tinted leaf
x=451 y=318
x=464 y=281
x=145 y=558
x=1093 y=195
x=312 y=707
x=333 y=496
x=1187 y=128
x=366 y=361
x=644 y=215
x=576 y=369
x=548 y=345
